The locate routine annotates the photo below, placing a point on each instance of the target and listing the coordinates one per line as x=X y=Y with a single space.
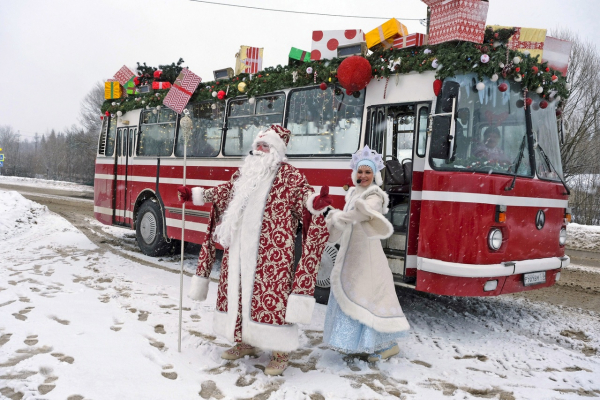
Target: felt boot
x=278 y=364
x=240 y=350
x=384 y=354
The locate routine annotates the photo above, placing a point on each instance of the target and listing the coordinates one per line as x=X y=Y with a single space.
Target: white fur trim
x=299 y=309
x=380 y=227
x=374 y=189
x=273 y=139
x=198 y=288
x=271 y=337
x=198 y=196
x=310 y=206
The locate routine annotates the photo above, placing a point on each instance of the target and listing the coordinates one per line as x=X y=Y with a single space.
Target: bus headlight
x=495 y=239
x=562 y=237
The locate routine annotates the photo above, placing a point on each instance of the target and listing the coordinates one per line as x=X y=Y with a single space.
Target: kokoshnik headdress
x=368 y=157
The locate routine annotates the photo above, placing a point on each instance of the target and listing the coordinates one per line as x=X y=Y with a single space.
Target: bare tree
x=581 y=146
x=89 y=116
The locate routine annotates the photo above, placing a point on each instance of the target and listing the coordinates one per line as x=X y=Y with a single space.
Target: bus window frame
x=418 y=129
x=139 y=136
x=223 y=129
x=286 y=116
x=226 y=118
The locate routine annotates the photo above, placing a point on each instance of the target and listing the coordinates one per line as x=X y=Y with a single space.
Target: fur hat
x=277 y=137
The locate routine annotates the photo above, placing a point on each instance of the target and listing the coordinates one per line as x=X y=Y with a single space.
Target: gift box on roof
x=385 y=34
x=161 y=85
x=412 y=40
x=456 y=20
x=112 y=90
x=557 y=54
x=297 y=55
x=530 y=39
x=326 y=43
x=130 y=87
x=181 y=91
x=248 y=60
x=124 y=75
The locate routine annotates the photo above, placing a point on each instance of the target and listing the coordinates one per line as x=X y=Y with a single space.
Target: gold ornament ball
x=242 y=87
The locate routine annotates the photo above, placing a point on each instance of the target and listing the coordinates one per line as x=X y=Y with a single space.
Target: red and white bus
x=464 y=225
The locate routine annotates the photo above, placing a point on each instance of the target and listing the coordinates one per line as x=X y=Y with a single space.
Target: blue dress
x=347 y=335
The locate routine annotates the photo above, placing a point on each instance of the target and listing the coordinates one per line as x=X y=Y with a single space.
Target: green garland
x=451 y=58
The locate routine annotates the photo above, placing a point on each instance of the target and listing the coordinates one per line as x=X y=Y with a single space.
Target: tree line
x=69 y=154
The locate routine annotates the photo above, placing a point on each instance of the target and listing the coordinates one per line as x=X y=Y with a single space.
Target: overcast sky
x=52 y=52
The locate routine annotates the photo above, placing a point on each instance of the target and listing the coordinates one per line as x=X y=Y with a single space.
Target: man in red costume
x=255 y=217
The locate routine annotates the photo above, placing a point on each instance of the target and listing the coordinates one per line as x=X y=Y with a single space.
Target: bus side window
x=111 y=136
x=422 y=131
x=324 y=121
x=207 y=130
x=157 y=133
x=245 y=120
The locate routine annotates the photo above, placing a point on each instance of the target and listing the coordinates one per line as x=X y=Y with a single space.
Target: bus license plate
x=534 y=278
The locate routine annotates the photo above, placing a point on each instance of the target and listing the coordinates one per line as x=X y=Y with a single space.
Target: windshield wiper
x=517 y=164
x=545 y=157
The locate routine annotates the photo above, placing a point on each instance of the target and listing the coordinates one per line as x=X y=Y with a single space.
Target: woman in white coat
x=363 y=313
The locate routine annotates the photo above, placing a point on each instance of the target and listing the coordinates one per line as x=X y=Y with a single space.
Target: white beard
x=256 y=169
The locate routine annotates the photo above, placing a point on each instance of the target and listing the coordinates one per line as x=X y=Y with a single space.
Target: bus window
x=207 y=126
x=157 y=131
x=422 y=132
x=324 y=122
x=245 y=120
x=110 y=137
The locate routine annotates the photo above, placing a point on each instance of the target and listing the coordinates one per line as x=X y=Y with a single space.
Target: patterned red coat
x=257 y=270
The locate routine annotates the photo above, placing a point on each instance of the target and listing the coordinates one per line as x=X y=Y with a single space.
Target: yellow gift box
x=530 y=39
x=386 y=33
x=112 y=90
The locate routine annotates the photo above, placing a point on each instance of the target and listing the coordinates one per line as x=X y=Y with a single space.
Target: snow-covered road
x=79 y=322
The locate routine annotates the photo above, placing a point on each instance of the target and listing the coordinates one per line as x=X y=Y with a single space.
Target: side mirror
x=442 y=128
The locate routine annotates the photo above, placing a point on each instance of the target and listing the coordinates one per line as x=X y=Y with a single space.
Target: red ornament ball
x=503 y=87
x=157 y=74
x=354 y=73
x=554 y=78
x=543 y=104
x=517 y=69
x=136 y=81
x=535 y=69
x=107 y=113
x=437 y=86
x=528 y=101
x=323 y=86
x=221 y=94
x=547 y=69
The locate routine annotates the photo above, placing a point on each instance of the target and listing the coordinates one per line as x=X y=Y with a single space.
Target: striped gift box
x=181 y=91
x=124 y=75
x=412 y=40
x=457 y=20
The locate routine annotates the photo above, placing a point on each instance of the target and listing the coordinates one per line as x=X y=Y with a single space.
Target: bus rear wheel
x=149 y=230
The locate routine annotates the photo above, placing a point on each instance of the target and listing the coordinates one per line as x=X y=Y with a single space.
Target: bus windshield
x=545 y=135
x=491 y=134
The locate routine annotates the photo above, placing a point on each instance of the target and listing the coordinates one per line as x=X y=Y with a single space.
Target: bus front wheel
x=149 y=230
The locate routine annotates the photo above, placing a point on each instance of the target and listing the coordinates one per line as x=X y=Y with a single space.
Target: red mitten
x=322 y=200
x=184 y=194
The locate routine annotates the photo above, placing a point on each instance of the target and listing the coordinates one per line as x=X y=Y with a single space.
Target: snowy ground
x=77 y=322
x=35 y=182
x=583 y=237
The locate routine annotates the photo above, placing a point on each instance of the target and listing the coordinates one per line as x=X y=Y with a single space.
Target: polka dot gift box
x=325 y=43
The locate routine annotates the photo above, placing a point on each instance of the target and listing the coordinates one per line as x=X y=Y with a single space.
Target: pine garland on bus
x=446 y=59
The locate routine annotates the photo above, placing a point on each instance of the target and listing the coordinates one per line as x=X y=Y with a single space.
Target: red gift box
x=412 y=40
x=181 y=91
x=457 y=20
x=124 y=75
x=557 y=53
x=161 y=85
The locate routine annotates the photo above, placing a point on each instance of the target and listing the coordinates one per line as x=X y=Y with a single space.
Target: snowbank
x=18 y=214
x=583 y=237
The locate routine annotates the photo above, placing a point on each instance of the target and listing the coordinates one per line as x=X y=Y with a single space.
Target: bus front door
x=125 y=146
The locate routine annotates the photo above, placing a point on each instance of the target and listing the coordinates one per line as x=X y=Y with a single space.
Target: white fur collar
x=369 y=191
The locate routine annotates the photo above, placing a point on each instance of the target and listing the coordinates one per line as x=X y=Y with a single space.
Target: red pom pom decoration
x=503 y=87
x=535 y=69
x=221 y=94
x=547 y=69
x=107 y=113
x=101 y=117
x=157 y=74
x=528 y=101
x=323 y=86
x=354 y=73
x=554 y=78
x=543 y=104
x=136 y=81
x=517 y=69
x=437 y=86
